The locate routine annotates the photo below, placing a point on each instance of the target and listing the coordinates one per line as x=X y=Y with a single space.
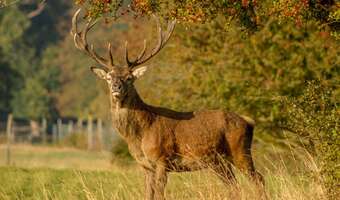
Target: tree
x=10 y=40
x=29 y=78
x=37 y=98
x=213 y=67
x=32 y=101
x=248 y=13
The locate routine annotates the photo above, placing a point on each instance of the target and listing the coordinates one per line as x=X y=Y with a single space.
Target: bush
x=120 y=153
x=314 y=115
x=76 y=140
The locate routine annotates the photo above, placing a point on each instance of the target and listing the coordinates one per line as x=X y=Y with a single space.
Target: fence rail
x=98 y=134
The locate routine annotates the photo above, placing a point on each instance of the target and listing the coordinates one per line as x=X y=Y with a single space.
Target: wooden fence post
x=80 y=125
x=54 y=134
x=100 y=133
x=89 y=133
x=44 y=130
x=70 y=127
x=59 y=128
x=9 y=137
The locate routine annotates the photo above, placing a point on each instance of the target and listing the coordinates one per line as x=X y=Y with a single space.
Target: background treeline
x=275 y=61
x=29 y=81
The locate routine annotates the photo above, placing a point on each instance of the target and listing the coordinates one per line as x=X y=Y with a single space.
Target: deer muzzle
x=116 y=94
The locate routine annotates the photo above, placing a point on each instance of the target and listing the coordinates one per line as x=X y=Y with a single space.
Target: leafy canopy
x=248 y=13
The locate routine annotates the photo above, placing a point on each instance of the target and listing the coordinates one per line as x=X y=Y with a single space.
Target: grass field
x=28 y=156
x=65 y=173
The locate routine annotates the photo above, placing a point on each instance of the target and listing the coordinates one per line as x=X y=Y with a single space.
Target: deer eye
x=129 y=78
x=109 y=79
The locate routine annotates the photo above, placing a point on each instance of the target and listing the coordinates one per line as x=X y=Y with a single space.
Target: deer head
x=120 y=79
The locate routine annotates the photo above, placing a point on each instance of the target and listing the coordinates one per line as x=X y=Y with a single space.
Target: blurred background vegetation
x=275 y=61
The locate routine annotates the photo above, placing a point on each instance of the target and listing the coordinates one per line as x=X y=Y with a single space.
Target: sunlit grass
x=59 y=158
x=287 y=176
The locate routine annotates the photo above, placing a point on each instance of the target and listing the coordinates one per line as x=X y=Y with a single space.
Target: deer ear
x=99 y=72
x=139 y=72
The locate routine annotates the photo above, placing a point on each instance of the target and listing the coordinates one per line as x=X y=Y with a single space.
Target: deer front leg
x=160 y=181
x=149 y=184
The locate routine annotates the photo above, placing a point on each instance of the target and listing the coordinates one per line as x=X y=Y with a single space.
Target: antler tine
x=128 y=62
x=160 y=37
x=91 y=52
x=170 y=29
x=80 y=41
x=162 y=40
x=109 y=49
x=143 y=51
x=74 y=29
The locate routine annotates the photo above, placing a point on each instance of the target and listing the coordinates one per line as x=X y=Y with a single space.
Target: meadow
x=276 y=62
x=65 y=173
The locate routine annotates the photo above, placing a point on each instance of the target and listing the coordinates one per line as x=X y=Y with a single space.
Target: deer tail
x=249 y=120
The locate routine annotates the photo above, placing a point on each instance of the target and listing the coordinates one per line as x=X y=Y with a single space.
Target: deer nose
x=116 y=87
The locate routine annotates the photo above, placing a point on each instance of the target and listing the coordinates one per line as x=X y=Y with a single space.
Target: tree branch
x=36 y=12
x=41 y=6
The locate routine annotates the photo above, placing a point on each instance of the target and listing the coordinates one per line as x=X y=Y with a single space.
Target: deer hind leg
x=160 y=181
x=241 y=155
x=149 y=184
x=244 y=163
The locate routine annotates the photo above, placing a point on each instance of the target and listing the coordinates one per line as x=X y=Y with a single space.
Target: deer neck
x=130 y=116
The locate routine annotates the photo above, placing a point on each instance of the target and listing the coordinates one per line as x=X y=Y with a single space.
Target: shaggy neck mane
x=131 y=115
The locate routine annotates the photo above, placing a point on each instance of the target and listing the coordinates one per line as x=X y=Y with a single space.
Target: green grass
x=60 y=158
x=42 y=183
x=286 y=178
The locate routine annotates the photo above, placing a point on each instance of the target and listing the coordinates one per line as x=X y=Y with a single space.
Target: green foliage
x=49 y=71
x=120 y=152
x=13 y=53
x=248 y=13
x=16 y=23
x=314 y=116
x=96 y=8
x=76 y=77
x=212 y=67
x=334 y=18
x=186 y=11
x=7 y=84
x=49 y=27
x=29 y=83
x=201 y=11
x=32 y=101
x=36 y=99
x=75 y=140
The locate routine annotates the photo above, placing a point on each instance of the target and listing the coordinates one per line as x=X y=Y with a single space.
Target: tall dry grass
x=290 y=174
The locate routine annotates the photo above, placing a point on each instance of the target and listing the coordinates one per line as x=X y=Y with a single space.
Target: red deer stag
x=162 y=140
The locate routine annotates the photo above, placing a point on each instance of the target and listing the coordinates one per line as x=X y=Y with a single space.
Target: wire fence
x=98 y=135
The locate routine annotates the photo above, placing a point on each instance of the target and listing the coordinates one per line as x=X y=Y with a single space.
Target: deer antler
x=80 y=41
x=162 y=40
